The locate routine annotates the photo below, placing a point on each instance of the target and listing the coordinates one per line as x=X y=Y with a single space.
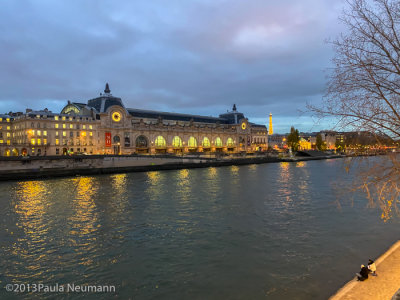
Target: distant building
x=277 y=141
x=104 y=125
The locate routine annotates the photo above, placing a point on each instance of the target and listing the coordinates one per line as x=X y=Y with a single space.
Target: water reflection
x=253 y=167
x=212 y=172
x=84 y=220
x=155 y=180
x=301 y=164
x=234 y=170
x=234 y=175
x=31 y=207
x=154 y=177
x=184 y=185
x=31 y=195
x=212 y=179
x=284 y=172
x=119 y=183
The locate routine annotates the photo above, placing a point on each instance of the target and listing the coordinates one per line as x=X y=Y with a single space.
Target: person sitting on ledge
x=372 y=267
x=363 y=275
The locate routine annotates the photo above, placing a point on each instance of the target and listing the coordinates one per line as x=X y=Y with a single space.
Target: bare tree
x=364 y=88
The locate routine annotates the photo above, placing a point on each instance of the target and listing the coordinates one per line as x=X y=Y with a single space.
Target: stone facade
x=105 y=126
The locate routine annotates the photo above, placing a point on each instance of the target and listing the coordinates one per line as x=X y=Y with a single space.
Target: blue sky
x=197 y=57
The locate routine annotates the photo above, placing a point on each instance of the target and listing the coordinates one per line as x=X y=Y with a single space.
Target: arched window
x=218 y=142
x=192 y=143
x=117 y=139
x=177 y=142
x=141 y=141
x=160 y=142
x=229 y=142
x=127 y=140
x=206 y=143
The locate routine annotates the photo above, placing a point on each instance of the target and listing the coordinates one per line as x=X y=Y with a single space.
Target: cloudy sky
x=197 y=56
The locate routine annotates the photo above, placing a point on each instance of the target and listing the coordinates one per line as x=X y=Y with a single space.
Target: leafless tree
x=364 y=88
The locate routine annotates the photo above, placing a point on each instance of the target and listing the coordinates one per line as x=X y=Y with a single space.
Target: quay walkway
x=385 y=286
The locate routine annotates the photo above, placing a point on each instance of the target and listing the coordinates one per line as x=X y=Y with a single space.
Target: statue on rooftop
x=107 y=89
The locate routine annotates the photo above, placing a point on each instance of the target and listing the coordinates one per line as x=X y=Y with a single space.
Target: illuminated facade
x=104 y=126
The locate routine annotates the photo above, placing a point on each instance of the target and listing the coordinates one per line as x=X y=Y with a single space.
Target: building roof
x=106 y=100
x=152 y=114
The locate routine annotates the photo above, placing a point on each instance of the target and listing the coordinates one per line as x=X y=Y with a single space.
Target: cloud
x=191 y=56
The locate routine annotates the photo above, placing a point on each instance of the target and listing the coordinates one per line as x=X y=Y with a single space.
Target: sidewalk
x=384 y=286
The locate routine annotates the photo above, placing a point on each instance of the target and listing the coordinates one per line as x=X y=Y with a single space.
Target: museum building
x=105 y=126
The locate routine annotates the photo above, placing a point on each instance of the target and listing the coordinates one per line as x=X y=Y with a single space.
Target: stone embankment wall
x=41 y=167
x=52 y=166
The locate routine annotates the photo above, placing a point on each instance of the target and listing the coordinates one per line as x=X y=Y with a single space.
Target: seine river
x=271 y=231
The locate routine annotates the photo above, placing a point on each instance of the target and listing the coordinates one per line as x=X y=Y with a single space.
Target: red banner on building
x=108 y=139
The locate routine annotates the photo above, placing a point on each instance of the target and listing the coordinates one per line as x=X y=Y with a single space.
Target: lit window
x=32 y=141
x=63 y=118
x=83 y=133
x=160 y=141
x=1 y=119
x=8 y=119
x=45 y=133
x=177 y=142
x=229 y=142
x=39 y=133
x=56 y=126
x=64 y=126
x=8 y=134
x=83 y=126
x=44 y=141
x=91 y=133
x=71 y=126
x=57 y=142
x=56 y=118
x=192 y=143
x=39 y=141
x=64 y=133
x=206 y=143
x=218 y=142
x=56 y=133
x=1 y=141
x=90 y=127
x=8 y=128
x=8 y=142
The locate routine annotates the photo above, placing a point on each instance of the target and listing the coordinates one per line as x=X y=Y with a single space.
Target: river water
x=270 y=231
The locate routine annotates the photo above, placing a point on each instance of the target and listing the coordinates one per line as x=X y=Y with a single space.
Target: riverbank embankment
x=381 y=287
x=14 y=168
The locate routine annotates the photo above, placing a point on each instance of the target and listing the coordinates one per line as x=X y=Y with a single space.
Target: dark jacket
x=364 y=272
